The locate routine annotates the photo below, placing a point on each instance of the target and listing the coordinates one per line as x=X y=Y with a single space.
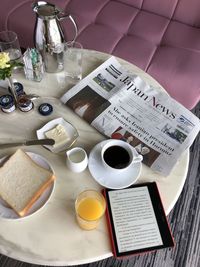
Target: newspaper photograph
x=121 y=105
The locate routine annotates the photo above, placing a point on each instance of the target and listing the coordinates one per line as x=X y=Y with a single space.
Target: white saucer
x=108 y=179
x=8 y=213
x=70 y=130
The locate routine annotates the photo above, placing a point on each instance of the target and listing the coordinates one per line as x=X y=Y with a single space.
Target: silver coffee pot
x=48 y=34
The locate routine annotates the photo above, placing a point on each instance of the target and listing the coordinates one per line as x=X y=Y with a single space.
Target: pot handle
x=73 y=22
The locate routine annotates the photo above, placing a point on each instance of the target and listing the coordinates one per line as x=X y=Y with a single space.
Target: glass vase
x=12 y=88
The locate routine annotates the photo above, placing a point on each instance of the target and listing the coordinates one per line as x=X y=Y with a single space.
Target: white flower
x=4 y=60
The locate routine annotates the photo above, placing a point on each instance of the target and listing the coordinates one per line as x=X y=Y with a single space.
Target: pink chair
x=162 y=39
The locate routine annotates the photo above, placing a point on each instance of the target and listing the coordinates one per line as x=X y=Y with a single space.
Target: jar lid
x=45 y=109
x=6 y=100
x=19 y=88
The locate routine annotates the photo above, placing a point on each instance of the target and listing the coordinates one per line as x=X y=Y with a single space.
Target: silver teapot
x=48 y=34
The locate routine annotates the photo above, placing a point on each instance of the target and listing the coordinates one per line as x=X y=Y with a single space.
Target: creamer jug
x=48 y=34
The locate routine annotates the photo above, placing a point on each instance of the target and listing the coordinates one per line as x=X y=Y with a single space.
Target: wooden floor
x=184 y=220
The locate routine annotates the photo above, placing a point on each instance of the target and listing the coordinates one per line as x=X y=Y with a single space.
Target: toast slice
x=22 y=181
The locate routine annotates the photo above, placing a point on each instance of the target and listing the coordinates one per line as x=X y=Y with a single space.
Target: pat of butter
x=59 y=135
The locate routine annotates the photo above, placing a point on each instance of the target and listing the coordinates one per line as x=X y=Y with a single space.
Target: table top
x=51 y=236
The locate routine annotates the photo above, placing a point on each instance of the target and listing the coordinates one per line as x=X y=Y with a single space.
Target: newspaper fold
x=121 y=105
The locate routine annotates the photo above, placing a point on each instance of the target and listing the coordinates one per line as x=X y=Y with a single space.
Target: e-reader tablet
x=136 y=219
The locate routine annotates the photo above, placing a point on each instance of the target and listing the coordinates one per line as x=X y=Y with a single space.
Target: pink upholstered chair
x=161 y=38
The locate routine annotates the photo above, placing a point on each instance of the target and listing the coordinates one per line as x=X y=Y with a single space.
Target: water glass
x=73 y=61
x=9 y=44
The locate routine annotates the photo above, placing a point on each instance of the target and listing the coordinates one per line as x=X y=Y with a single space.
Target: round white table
x=51 y=236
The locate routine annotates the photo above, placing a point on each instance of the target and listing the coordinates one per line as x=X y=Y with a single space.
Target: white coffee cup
x=77 y=159
x=117 y=155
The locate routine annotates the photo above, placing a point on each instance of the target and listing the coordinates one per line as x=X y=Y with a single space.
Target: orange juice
x=90 y=206
x=90 y=209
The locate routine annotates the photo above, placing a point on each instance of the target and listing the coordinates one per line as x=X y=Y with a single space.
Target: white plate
x=69 y=128
x=107 y=178
x=8 y=213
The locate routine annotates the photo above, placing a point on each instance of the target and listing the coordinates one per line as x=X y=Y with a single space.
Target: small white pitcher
x=77 y=159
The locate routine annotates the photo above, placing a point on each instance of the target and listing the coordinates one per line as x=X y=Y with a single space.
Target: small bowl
x=69 y=128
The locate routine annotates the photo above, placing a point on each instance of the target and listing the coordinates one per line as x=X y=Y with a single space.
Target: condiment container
x=7 y=103
x=19 y=89
x=24 y=103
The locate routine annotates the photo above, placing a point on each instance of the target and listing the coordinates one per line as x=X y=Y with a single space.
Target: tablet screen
x=137 y=220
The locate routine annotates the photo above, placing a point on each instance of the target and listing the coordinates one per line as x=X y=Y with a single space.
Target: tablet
x=136 y=220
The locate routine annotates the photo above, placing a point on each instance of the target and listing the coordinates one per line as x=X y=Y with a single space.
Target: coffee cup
x=117 y=155
x=77 y=159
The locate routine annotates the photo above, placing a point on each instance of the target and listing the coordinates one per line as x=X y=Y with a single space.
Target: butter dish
x=51 y=127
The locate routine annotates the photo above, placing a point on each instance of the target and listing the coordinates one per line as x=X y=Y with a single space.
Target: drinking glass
x=90 y=206
x=73 y=61
x=9 y=43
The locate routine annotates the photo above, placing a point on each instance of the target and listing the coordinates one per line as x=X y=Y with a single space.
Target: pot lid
x=45 y=9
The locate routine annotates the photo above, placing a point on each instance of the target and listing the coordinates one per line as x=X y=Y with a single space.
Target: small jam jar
x=24 y=103
x=7 y=103
x=19 y=89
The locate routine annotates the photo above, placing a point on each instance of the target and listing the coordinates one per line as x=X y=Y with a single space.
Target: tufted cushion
x=162 y=39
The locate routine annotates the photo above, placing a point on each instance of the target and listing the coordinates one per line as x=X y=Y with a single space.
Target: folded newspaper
x=121 y=105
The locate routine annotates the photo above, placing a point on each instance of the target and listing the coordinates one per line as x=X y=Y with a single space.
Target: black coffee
x=116 y=157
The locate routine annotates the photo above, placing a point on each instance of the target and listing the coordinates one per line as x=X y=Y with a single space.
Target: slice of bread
x=22 y=181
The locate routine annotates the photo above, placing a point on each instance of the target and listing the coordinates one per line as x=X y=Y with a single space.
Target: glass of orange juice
x=90 y=206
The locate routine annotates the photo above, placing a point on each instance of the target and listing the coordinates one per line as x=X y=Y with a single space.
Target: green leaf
x=7 y=72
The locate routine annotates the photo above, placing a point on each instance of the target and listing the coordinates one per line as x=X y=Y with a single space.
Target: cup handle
x=139 y=158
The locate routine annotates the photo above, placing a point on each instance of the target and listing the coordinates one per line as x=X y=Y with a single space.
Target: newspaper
x=121 y=105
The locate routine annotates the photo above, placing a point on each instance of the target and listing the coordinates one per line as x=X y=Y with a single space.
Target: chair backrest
x=185 y=11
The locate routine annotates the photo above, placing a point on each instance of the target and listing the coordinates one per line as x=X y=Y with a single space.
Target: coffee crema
x=116 y=157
